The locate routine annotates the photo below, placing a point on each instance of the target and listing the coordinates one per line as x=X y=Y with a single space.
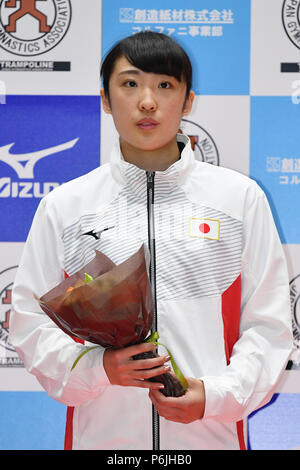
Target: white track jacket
x=222 y=293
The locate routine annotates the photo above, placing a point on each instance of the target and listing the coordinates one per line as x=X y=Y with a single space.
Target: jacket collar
x=127 y=174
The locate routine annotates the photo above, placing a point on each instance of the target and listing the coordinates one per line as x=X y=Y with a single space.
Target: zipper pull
x=150 y=177
x=150 y=189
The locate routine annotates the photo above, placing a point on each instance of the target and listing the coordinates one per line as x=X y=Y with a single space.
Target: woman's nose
x=147 y=101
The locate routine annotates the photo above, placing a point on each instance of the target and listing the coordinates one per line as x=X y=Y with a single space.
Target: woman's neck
x=151 y=160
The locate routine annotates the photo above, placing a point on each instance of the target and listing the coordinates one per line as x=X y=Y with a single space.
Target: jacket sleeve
x=265 y=338
x=45 y=350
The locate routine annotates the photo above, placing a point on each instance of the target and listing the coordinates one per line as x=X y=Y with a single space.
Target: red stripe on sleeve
x=70 y=410
x=231 y=310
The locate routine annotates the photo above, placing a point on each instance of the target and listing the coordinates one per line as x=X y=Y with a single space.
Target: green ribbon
x=87 y=278
x=82 y=354
x=153 y=339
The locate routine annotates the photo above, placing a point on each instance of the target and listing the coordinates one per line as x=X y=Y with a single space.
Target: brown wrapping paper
x=114 y=310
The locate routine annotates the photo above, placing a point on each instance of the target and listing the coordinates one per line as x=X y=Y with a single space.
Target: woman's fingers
x=149 y=363
x=147 y=373
x=122 y=369
x=147 y=384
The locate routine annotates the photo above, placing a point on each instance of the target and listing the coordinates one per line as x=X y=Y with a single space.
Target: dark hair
x=150 y=52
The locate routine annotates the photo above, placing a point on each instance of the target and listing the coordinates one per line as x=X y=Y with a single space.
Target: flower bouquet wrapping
x=112 y=306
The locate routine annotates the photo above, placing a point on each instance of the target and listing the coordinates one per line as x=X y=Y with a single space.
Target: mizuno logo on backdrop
x=23 y=164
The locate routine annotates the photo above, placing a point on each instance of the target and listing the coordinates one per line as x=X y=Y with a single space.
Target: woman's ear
x=188 y=104
x=105 y=102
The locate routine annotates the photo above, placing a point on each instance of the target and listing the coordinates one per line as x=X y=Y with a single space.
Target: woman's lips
x=147 y=124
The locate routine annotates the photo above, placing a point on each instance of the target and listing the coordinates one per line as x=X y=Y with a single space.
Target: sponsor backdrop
x=246 y=58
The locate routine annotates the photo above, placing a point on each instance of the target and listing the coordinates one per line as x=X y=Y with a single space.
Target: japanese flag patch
x=204 y=228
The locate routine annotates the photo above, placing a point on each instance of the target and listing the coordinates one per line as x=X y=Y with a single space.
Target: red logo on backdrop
x=8 y=356
x=6 y=301
x=26 y=7
x=33 y=27
x=202 y=143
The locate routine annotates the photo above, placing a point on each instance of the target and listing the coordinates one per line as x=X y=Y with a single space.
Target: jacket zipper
x=152 y=274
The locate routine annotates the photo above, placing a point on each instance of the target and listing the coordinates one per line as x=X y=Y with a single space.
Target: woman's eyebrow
x=129 y=71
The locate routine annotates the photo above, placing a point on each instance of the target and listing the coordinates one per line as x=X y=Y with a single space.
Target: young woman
x=221 y=284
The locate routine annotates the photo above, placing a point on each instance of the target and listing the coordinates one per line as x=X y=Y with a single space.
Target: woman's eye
x=165 y=85
x=130 y=84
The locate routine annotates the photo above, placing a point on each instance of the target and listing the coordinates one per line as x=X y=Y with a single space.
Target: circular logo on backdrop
x=6 y=283
x=203 y=144
x=295 y=306
x=33 y=27
x=291 y=20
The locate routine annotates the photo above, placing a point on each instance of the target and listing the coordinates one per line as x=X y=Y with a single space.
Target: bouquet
x=111 y=306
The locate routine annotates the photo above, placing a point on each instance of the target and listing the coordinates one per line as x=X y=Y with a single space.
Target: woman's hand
x=185 y=409
x=121 y=369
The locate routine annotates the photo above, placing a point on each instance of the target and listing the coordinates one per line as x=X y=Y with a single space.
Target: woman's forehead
x=123 y=67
